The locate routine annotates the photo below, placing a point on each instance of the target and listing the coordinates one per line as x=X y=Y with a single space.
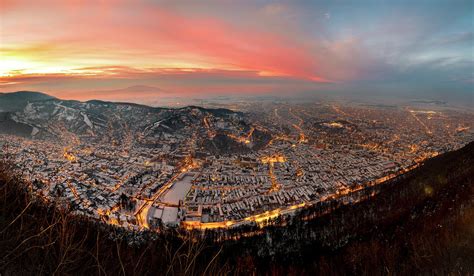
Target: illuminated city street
x=284 y=157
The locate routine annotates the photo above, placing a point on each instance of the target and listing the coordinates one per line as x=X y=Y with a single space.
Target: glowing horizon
x=76 y=49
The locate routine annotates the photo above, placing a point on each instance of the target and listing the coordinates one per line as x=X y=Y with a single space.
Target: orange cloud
x=78 y=35
x=121 y=83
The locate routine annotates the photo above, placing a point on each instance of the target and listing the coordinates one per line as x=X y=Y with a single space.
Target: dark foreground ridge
x=420 y=223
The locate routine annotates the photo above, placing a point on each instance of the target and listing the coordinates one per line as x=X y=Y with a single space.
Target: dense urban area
x=140 y=167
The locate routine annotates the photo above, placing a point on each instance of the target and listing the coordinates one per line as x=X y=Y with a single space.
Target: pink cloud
x=138 y=36
x=154 y=83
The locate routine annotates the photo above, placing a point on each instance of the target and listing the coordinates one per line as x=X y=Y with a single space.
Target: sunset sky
x=122 y=50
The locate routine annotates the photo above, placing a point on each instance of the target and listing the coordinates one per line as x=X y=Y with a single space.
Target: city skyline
x=141 y=168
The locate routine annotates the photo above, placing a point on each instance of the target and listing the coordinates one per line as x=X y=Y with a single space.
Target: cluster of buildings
x=316 y=152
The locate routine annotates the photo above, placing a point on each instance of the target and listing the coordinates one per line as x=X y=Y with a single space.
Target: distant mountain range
x=143 y=91
x=40 y=116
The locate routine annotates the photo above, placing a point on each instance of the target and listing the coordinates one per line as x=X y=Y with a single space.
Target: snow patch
x=29 y=109
x=87 y=121
x=34 y=131
x=56 y=109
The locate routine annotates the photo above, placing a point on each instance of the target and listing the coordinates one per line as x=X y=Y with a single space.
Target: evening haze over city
x=236 y=137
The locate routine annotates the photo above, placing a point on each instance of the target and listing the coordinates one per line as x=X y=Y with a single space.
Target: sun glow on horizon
x=246 y=48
